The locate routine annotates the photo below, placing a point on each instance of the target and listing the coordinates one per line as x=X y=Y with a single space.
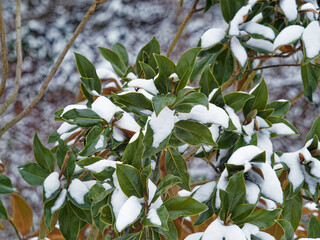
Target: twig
x=293 y=100
x=273 y=66
x=16 y=87
x=85 y=172
x=3 y=54
x=53 y=70
x=67 y=156
x=212 y=165
x=183 y=25
x=15 y=229
x=199 y=183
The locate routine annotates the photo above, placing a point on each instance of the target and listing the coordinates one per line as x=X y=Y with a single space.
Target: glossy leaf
x=292 y=207
x=310 y=77
x=165 y=183
x=134 y=151
x=119 y=49
x=61 y=153
x=193 y=133
x=183 y=206
x=42 y=155
x=83 y=117
x=117 y=63
x=136 y=102
x=163 y=216
x=313 y=227
x=280 y=107
x=96 y=140
x=159 y=102
x=69 y=223
x=207 y=81
x=185 y=102
x=264 y=218
x=5 y=185
x=287 y=228
x=171 y=234
x=176 y=165
x=229 y=8
x=315 y=129
x=33 y=174
x=236 y=100
x=129 y=180
x=223 y=66
x=147 y=70
x=166 y=68
x=3 y=212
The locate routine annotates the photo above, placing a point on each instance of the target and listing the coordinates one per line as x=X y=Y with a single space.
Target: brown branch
x=15 y=229
x=273 y=66
x=293 y=100
x=183 y=25
x=67 y=156
x=212 y=165
x=53 y=70
x=4 y=57
x=16 y=87
x=199 y=183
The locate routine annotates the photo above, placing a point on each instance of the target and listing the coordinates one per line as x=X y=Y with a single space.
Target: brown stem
x=183 y=25
x=293 y=100
x=85 y=172
x=146 y=207
x=273 y=66
x=4 y=57
x=67 y=156
x=15 y=229
x=199 y=183
x=212 y=165
x=53 y=70
x=16 y=87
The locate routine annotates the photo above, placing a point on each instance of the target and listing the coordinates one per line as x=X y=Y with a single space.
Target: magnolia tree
x=119 y=168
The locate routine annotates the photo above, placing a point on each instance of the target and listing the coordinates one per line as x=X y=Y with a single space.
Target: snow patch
x=212 y=36
x=51 y=184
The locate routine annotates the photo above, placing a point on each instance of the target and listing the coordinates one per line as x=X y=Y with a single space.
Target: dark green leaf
x=292 y=207
x=223 y=66
x=310 y=77
x=259 y=102
x=263 y=218
x=42 y=155
x=218 y=99
x=287 y=228
x=171 y=234
x=96 y=140
x=88 y=84
x=315 y=129
x=227 y=139
x=33 y=174
x=122 y=52
x=280 y=107
x=135 y=101
x=229 y=8
x=183 y=206
x=83 y=214
x=61 y=153
x=189 y=100
x=97 y=192
x=83 y=117
x=3 y=212
x=5 y=185
x=106 y=215
x=185 y=67
x=162 y=214
x=159 y=102
x=193 y=133
x=201 y=64
x=166 y=68
x=236 y=100
x=134 y=151
x=129 y=180
x=117 y=63
x=314 y=227
x=165 y=183
x=207 y=81
x=69 y=223
x=176 y=165
x=146 y=55
x=241 y=212
x=148 y=71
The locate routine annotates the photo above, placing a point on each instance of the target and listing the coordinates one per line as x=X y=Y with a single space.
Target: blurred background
x=48 y=25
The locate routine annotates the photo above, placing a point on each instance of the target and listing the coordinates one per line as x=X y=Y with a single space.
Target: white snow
x=261 y=122
x=256 y=28
x=89 y=183
x=154 y=217
x=118 y=135
x=65 y=127
x=146 y=84
x=260 y=44
x=152 y=188
x=162 y=125
x=311 y=206
x=194 y=236
x=215 y=132
x=204 y=192
x=250 y=229
x=106 y=186
x=238 y=51
x=217 y=231
x=95 y=93
x=222 y=184
x=252 y=192
x=118 y=198
x=289 y=8
x=73 y=106
x=100 y=142
x=174 y=77
x=234 y=118
x=131 y=76
x=288 y=35
x=238 y=19
x=104 y=73
x=308 y=7
x=243 y=156
x=280 y=129
x=134 y=137
x=128 y=213
x=51 y=184
x=104 y=108
x=212 y=93
x=146 y=94
x=311 y=39
x=78 y=190
x=265 y=144
x=99 y=166
x=212 y=36
x=265 y=236
x=127 y=122
x=60 y=200
x=214 y=114
x=257 y=18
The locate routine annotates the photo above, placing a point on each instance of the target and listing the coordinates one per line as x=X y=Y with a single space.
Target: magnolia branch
x=183 y=25
x=3 y=54
x=53 y=70
x=16 y=87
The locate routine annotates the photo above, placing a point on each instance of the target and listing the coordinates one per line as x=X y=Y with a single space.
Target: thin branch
x=16 y=87
x=4 y=57
x=15 y=229
x=199 y=183
x=273 y=66
x=67 y=156
x=183 y=25
x=53 y=70
x=212 y=165
x=293 y=100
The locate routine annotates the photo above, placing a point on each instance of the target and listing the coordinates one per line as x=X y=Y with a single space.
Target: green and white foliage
x=126 y=167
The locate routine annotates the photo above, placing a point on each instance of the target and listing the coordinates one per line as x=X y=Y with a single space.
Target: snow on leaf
x=250 y=229
x=78 y=190
x=146 y=84
x=214 y=115
x=311 y=39
x=234 y=118
x=252 y=192
x=154 y=217
x=238 y=51
x=100 y=165
x=260 y=45
x=127 y=122
x=204 y=192
x=162 y=125
x=238 y=19
x=51 y=184
x=218 y=231
x=118 y=135
x=65 y=127
x=73 y=106
x=281 y=129
x=212 y=36
x=118 y=198
x=264 y=236
x=104 y=108
x=288 y=35
x=310 y=11
x=194 y=236
x=60 y=201
x=259 y=29
x=289 y=8
x=128 y=213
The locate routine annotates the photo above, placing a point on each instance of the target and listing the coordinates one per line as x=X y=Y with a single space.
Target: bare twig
x=293 y=100
x=212 y=165
x=67 y=156
x=183 y=25
x=15 y=229
x=3 y=54
x=199 y=183
x=53 y=70
x=273 y=66
x=16 y=87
